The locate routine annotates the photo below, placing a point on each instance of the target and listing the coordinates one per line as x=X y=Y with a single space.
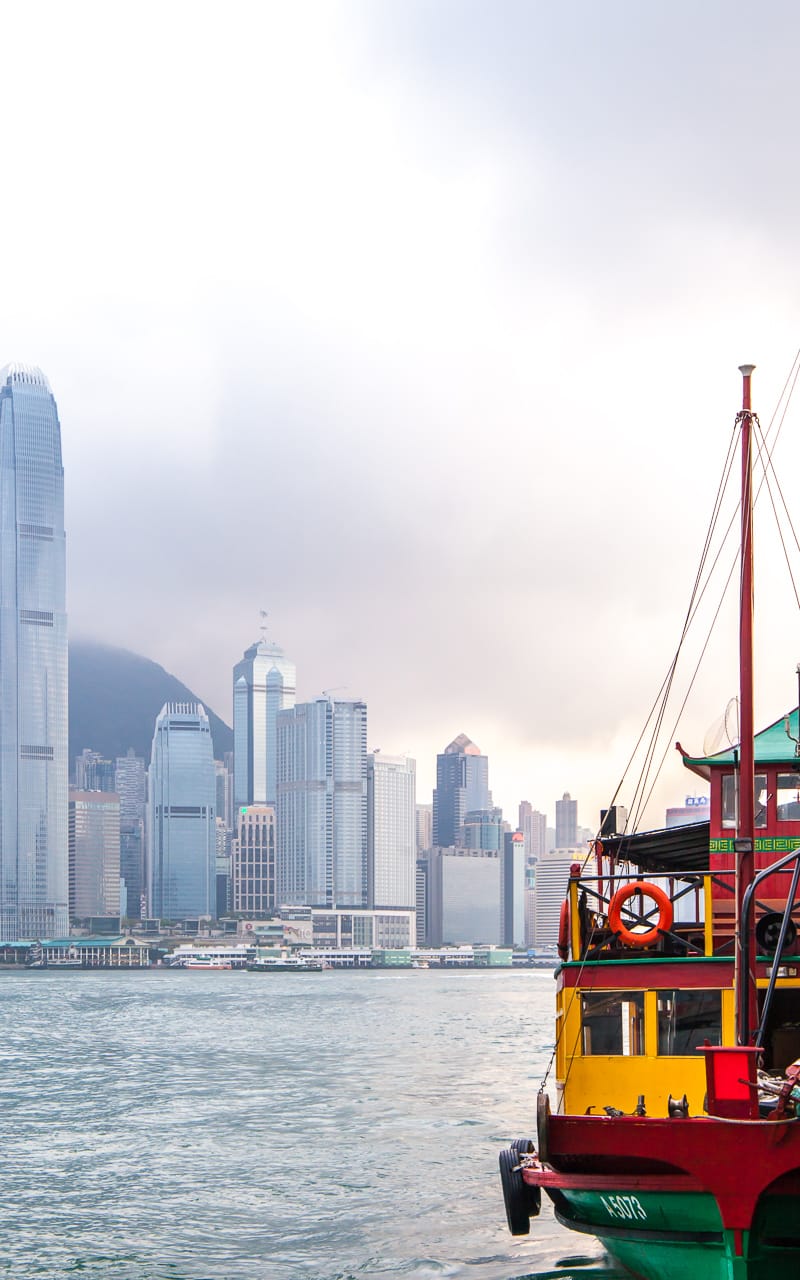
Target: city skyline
x=490 y=274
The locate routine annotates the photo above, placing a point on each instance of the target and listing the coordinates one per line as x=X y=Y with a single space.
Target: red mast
x=744 y=845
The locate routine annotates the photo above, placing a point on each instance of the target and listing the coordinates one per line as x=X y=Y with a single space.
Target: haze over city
x=417 y=327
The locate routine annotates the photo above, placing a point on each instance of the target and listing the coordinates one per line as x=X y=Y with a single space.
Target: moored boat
x=285 y=964
x=674 y=1137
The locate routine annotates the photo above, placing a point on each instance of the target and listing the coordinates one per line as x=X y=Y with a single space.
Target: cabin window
x=687 y=1019
x=613 y=1022
x=730 y=794
x=788 y=797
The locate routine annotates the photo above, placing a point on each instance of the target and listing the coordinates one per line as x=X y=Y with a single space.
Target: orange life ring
x=665 y=914
x=564 y=931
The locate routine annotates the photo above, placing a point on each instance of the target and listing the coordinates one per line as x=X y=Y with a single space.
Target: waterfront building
x=322 y=804
x=424 y=828
x=33 y=661
x=552 y=881
x=566 y=822
x=462 y=785
x=423 y=871
x=530 y=912
x=131 y=869
x=181 y=814
x=464 y=897
x=514 y=882
x=94 y=854
x=253 y=861
x=93 y=772
x=263 y=684
x=391 y=831
x=363 y=928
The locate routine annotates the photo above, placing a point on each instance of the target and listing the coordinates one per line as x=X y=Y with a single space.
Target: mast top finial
x=746 y=369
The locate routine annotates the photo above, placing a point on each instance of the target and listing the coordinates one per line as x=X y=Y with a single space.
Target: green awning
x=772 y=746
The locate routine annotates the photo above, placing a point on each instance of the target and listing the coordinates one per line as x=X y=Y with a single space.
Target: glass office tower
x=33 y=662
x=182 y=829
x=263 y=684
x=462 y=787
x=321 y=857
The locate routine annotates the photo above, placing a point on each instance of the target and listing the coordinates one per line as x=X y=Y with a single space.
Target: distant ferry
x=285 y=964
x=210 y=957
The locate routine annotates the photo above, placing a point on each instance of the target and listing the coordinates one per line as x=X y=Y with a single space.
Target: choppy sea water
x=235 y=1126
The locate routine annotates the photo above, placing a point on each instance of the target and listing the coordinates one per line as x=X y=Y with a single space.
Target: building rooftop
x=24 y=373
x=462 y=746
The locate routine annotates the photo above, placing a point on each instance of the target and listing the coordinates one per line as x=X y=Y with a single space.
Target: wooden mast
x=745 y=843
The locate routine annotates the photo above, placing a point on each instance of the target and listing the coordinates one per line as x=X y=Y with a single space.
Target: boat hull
x=690 y=1199
x=681 y=1237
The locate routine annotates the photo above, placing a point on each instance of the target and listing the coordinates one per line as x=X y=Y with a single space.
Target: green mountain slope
x=115 y=696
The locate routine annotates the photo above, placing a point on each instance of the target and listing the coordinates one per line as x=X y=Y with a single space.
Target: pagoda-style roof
x=773 y=745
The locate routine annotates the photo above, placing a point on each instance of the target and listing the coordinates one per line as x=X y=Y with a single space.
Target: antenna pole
x=745 y=844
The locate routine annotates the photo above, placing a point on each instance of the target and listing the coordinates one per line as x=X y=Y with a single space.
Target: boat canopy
x=667 y=852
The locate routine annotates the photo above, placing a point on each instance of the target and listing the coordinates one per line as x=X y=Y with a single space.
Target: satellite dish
x=724 y=732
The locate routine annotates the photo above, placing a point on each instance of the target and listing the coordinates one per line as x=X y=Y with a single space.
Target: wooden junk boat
x=675 y=1139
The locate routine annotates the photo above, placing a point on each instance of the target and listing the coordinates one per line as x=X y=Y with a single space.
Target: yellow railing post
x=574 y=919
x=708 y=923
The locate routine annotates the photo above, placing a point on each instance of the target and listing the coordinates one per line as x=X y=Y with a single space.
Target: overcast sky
x=416 y=325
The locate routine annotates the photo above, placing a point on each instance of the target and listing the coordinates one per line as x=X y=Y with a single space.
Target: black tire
x=524 y=1146
x=521 y=1201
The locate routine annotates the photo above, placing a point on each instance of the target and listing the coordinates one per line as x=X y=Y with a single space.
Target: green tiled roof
x=772 y=746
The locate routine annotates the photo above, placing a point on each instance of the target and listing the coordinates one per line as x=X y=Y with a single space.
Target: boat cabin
x=648 y=941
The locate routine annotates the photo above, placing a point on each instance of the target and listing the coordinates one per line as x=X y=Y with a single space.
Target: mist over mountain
x=115 y=696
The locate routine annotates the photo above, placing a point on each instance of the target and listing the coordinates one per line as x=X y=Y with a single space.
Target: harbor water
x=233 y=1126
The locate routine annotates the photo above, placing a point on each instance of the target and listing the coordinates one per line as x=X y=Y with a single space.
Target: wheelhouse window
x=687 y=1019
x=730 y=793
x=613 y=1022
x=788 y=797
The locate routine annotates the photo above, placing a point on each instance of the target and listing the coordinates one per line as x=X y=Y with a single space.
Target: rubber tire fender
x=515 y=1194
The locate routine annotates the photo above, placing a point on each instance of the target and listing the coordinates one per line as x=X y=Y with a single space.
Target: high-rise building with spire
x=33 y=661
x=263 y=684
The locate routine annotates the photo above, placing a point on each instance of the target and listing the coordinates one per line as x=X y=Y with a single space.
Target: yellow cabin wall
x=598 y=1081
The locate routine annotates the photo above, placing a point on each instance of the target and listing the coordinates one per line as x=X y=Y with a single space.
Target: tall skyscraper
x=391 y=831
x=130 y=784
x=462 y=785
x=263 y=684
x=533 y=826
x=181 y=798
x=566 y=822
x=94 y=854
x=424 y=827
x=514 y=889
x=321 y=856
x=33 y=662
